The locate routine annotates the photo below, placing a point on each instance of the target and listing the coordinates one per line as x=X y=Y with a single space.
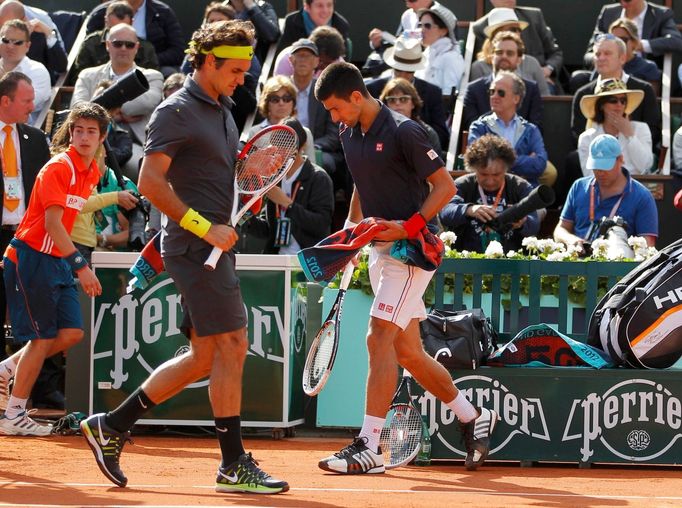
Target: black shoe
x=476 y=437
x=355 y=458
x=106 y=444
x=244 y=475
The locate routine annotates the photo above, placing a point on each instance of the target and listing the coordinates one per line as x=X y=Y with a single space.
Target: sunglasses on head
x=394 y=99
x=616 y=100
x=493 y=91
x=14 y=42
x=505 y=52
x=120 y=44
x=275 y=99
x=606 y=37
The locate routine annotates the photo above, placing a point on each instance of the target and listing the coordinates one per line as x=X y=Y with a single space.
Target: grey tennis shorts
x=211 y=300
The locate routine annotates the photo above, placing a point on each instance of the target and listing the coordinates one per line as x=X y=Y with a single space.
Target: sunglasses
x=120 y=44
x=14 y=42
x=616 y=100
x=428 y=26
x=493 y=91
x=505 y=52
x=394 y=99
x=275 y=99
x=605 y=37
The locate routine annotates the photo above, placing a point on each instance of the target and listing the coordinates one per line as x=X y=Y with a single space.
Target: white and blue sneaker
x=355 y=458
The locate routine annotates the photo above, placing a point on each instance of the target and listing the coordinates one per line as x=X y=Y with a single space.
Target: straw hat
x=406 y=55
x=501 y=16
x=445 y=15
x=610 y=87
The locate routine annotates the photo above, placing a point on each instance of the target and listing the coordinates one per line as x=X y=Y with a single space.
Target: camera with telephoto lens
x=137 y=222
x=614 y=231
x=540 y=197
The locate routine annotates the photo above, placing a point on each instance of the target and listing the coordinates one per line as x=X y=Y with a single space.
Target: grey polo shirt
x=201 y=138
x=390 y=164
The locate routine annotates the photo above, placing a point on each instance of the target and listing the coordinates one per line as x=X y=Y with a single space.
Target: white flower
x=637 y=242
x=530 y=243
x=511 y=253
x=600 y=247
x=559 y=255
x=465 y=253
x=575 y=250
x=494 y=250
x=448 y=237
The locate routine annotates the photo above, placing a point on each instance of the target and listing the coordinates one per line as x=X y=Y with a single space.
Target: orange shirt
x=64 y=181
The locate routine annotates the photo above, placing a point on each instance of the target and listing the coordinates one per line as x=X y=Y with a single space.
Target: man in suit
x=156 y=23
x=300 y=24
x=122 y=45
x=310 y=112
x=610 y=55
x=406 y=57
x=658 y=32
x=537 y=36
x=477 y=94
x=25 y=151
x=45 y=47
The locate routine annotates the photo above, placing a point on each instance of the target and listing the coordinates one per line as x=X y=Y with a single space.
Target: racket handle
x=347 y=276
x=212 y=260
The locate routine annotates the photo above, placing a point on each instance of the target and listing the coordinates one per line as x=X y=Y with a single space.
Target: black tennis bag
x=639 y=321
x=459 y=340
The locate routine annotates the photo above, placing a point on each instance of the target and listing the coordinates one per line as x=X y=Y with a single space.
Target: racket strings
x=401 y=437
x=318 y=364
x=265 y=160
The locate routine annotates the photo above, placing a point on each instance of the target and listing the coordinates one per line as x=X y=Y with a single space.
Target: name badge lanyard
x=280 y=210
x=498 y=197
x=593 y=204
x=488 y=235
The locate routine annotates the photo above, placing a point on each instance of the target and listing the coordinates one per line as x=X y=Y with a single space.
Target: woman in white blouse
x=444 y=62
x=607 y=112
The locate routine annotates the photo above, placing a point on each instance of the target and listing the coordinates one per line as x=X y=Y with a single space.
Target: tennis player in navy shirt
x=402 y=182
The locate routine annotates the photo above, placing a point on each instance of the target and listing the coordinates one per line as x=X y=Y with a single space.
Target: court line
x=466 y=492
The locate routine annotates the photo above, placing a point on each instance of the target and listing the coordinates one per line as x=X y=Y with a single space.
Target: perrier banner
x=135 y=333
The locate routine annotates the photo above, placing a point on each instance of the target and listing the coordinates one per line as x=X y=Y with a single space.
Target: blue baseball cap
x=604 y=150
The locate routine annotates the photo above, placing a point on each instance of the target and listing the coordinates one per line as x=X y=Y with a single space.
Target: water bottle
x=424 y=455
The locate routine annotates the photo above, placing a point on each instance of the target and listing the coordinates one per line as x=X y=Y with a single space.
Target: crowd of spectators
x=416 y=71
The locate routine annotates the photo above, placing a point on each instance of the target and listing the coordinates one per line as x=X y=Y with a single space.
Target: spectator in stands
x=655 y=23
x=112 y=226
x=276 y=103
x=609 y=60
x=609 y=192
x=45 y=47
x=529 y=68
x=34 y=14
x=405 y=58
x=330 y=46
x=119 y=140
x=444 y=62
x=408 y=28
x=402 y=97
x=122 y=44
x=537 y=37
x=484 y=193
x=173 y=83
x=477 y=95
x=93 y=51
x=155 y=23
x=608 y=111
x=24 y=152
x=14 y=46
x=506 y=94
x=310 y=112
x=300 y=24
x=265 y=21
x=299 y=212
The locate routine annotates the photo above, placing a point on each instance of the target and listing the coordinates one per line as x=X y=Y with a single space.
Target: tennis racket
x=402 y=434
x=261 y=164
x=320 y=359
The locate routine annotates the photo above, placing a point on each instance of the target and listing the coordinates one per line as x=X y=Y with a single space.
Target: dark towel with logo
x=148 y=265
x=323 y=261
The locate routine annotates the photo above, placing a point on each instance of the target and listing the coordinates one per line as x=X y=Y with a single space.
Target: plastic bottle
x=424 y=455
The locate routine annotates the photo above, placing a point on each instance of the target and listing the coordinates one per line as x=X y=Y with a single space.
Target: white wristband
x=349 y=224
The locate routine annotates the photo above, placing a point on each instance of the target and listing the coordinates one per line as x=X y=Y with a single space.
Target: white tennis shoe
x=23 y=425
x=355 y=458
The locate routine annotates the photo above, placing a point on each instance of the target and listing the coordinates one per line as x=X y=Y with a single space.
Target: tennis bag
x=459 y=340
x=639 y=321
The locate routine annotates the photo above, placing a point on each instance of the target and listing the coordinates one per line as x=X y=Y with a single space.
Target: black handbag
x=459 y=340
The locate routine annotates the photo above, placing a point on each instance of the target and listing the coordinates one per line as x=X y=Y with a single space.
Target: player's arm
x=62 y=240
x=154 y=184
x=355 y=209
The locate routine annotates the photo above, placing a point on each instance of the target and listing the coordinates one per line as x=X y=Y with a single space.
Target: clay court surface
x=163 y=471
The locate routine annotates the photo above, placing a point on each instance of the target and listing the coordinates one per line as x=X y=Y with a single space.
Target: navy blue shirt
x=390 y=164
x=201 y=138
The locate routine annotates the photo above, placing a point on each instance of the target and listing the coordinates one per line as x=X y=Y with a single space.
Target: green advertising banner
x=135 y=333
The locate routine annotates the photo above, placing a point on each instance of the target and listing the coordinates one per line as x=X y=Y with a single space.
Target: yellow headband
x=235 y=52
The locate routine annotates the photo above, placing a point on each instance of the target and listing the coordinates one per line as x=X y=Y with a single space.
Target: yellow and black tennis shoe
x=244 y=475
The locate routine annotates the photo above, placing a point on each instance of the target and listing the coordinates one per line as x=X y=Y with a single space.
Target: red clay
x=162 y=471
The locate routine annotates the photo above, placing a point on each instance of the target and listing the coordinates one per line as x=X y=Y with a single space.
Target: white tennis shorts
x=398 y=288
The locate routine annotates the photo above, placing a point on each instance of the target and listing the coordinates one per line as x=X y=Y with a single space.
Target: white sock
x=371 y=429
x=15 y=406
x=7 y=367
x=462 y=408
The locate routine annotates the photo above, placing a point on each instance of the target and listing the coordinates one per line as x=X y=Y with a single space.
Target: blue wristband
x=76 y=261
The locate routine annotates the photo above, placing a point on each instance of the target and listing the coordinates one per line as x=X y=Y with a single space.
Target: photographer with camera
x=486 y=192
x=609 y=192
